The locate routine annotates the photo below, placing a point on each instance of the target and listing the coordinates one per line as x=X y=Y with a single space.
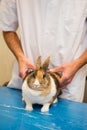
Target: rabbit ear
x=46 y=63
x=38 y=63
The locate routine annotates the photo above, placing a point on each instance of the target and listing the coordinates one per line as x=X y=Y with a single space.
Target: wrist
x=20 y=58
x=80 y=62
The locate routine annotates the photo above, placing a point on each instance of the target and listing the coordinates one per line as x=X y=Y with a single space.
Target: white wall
x=6 y=61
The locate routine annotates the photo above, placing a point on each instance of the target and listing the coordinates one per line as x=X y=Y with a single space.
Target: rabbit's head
x=39 y=79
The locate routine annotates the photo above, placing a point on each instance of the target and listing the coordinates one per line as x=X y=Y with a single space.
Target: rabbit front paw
x=55 y=101
x=23 y=99
x=45 y=108
x=29 y=107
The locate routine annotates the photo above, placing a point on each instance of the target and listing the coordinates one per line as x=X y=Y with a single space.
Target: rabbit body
x=40 y=87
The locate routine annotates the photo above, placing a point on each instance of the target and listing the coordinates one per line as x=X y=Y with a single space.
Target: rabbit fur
x=41 y=86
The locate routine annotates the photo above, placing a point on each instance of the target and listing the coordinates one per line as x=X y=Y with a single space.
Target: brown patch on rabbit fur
x=45 y=83
x=43 y=75
x=41 y=86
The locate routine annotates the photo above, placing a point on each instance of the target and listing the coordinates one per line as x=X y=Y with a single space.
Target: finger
x=57 y=69
x=29 y=70
x=32 y=67
x=22 y=74
x=63 y=87
x=63 y=83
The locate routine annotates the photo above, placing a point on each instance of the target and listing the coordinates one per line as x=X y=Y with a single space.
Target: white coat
x=49 y=27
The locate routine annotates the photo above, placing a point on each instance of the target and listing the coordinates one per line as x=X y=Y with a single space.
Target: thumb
x=57 y=69
x=31 y=66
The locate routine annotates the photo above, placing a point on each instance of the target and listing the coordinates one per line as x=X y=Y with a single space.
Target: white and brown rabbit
x=41 y=86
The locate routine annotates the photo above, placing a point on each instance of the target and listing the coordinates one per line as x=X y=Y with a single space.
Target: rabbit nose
x=36 y=84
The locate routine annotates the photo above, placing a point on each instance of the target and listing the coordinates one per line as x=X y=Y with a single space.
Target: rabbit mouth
x=36 y=84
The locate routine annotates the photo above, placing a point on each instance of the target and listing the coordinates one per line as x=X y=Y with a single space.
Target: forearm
x=68 y=70
x=14 y=44
x=81 y=61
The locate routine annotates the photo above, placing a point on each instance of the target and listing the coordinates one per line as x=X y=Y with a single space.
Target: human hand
x=68 y=71
x=24 y=66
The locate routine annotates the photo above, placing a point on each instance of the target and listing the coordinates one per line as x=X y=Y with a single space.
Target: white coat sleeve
x=8 y=15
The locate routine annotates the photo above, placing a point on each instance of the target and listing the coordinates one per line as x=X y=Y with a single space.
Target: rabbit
x=41 y=86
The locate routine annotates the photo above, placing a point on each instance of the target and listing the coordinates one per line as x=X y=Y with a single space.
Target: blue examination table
x=64 y=115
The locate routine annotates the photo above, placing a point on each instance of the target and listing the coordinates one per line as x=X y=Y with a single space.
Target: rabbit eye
x=33 y=75
x=44 y=75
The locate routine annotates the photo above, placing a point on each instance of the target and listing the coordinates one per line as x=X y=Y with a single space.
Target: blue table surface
x=64 y=115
